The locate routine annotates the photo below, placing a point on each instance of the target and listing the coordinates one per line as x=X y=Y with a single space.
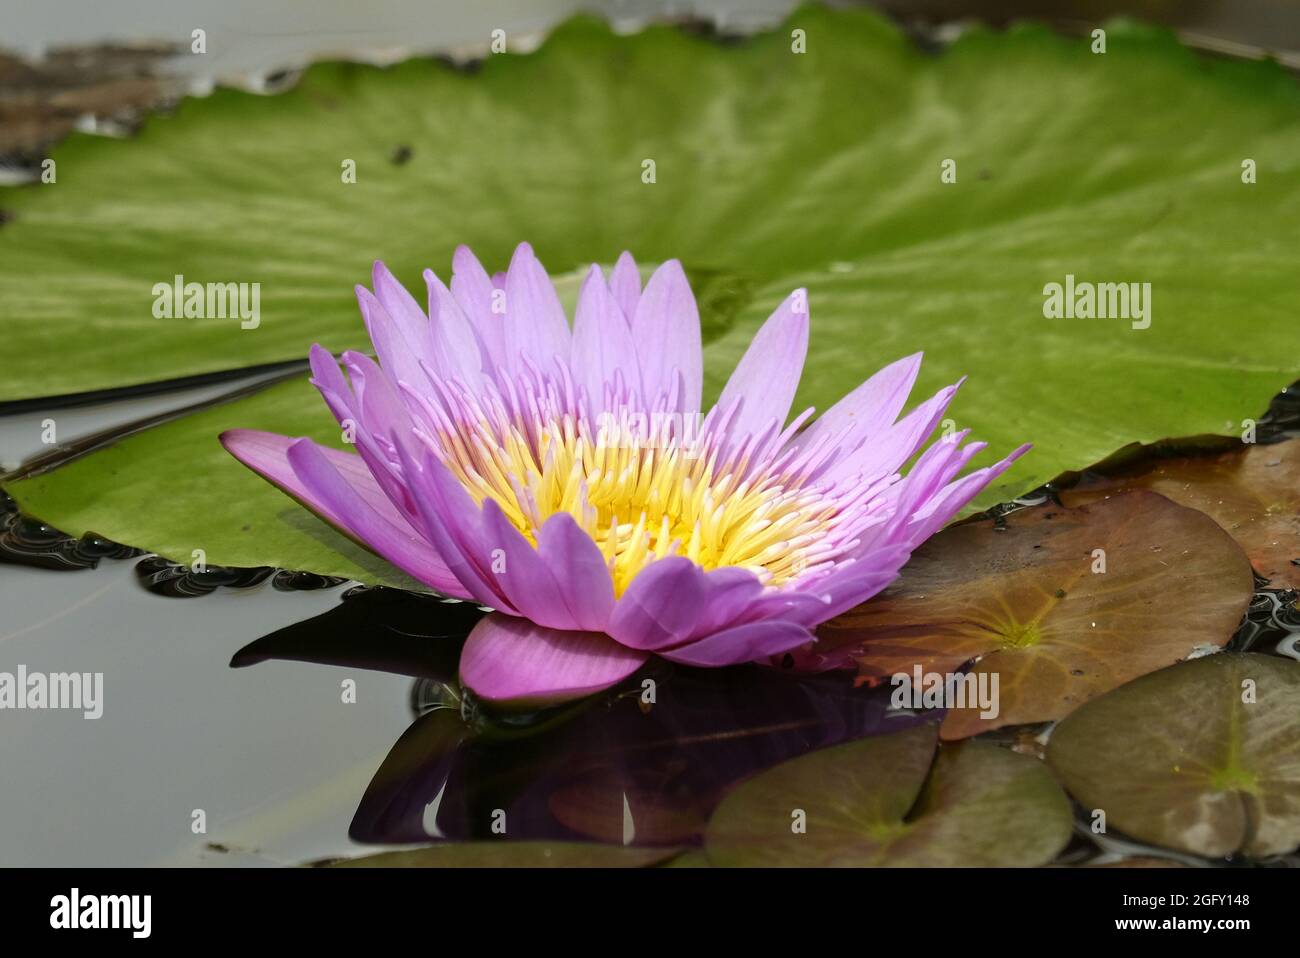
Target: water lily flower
x=568 y=478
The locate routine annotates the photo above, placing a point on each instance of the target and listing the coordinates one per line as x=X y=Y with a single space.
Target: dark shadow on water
x=643 y=764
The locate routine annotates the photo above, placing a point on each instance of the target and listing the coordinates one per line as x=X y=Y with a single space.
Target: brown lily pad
x=1057 y=605
x=1203 y=757
x=889 y=801
x=1253 y=492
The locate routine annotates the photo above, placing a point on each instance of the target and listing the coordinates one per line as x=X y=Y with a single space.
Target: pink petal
x=353 y=416
x=338 y=487
x=456 y=349
x=950 y=500
x=535 y=324
x=888 y=451
x=744 y=643
x=579 y=566
x=602 y=342
x=851 y=584
x=625 y=284
x=562 y=584
x=666 y=331
x=765 y=380
x=672 y=601
x=512 y=661
x=454 y=524
x=400 y=305
x=472 y=288
x=661 y=606
x=399 y=356
x=864 y=413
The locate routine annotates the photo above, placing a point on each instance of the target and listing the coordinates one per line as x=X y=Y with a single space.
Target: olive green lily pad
x=508 y=854
x=1203 y=757
x=881 y=802
x=1253 y=492
x=773 y=169
x=1058 y=605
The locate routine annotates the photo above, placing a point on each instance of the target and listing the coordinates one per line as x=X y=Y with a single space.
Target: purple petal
x=864 y=413
x=666 y=331
x=400 y=357
x=854 y=582
x=562 y=584
x=602 y=342
x=661 y=606
x=455 y=347
x=453 y=523
x=353 y=415
x=888 y=452
x=730 y=593
x=472 y=288
x=744 y=643
x=338 y=487
x=400 y=305
x=512 y=661
x=579 y=567
x=765 y=380
x=625 y=284
x=950 y=500
x=535 y=324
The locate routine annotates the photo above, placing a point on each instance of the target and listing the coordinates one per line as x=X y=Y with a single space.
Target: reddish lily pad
x=1029 y=600
x=1252 y=491
x=1203 y=757
x=510 y=854
x=881 y=802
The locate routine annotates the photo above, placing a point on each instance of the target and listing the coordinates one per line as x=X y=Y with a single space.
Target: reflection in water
x=642 y=764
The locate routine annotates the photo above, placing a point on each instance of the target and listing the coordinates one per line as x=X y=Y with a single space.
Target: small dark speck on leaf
x=1060 y=593
x=217 y=847
x=1076 y=671
x=5 y=216
x=400 y=155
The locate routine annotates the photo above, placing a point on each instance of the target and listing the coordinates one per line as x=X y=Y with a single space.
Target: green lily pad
x=1203 y=757
x=1253 y=492
x=508 y=854
x=880 y=802
x=170 y=489
x=1058 y=605
x=773 y=169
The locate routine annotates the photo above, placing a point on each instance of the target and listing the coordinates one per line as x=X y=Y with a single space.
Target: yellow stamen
x=643 y=497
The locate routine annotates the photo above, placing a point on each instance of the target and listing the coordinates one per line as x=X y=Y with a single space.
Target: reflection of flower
x=568 y=479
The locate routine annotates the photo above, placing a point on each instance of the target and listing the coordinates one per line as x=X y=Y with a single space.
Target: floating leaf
x=1203 y=756
x=1059 y=604
x=879 y=802
x=1252 y=492
x=171 y=490
x=513 y=854
x=774 y=170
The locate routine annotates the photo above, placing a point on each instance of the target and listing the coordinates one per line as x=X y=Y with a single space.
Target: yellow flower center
x=645 y=494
